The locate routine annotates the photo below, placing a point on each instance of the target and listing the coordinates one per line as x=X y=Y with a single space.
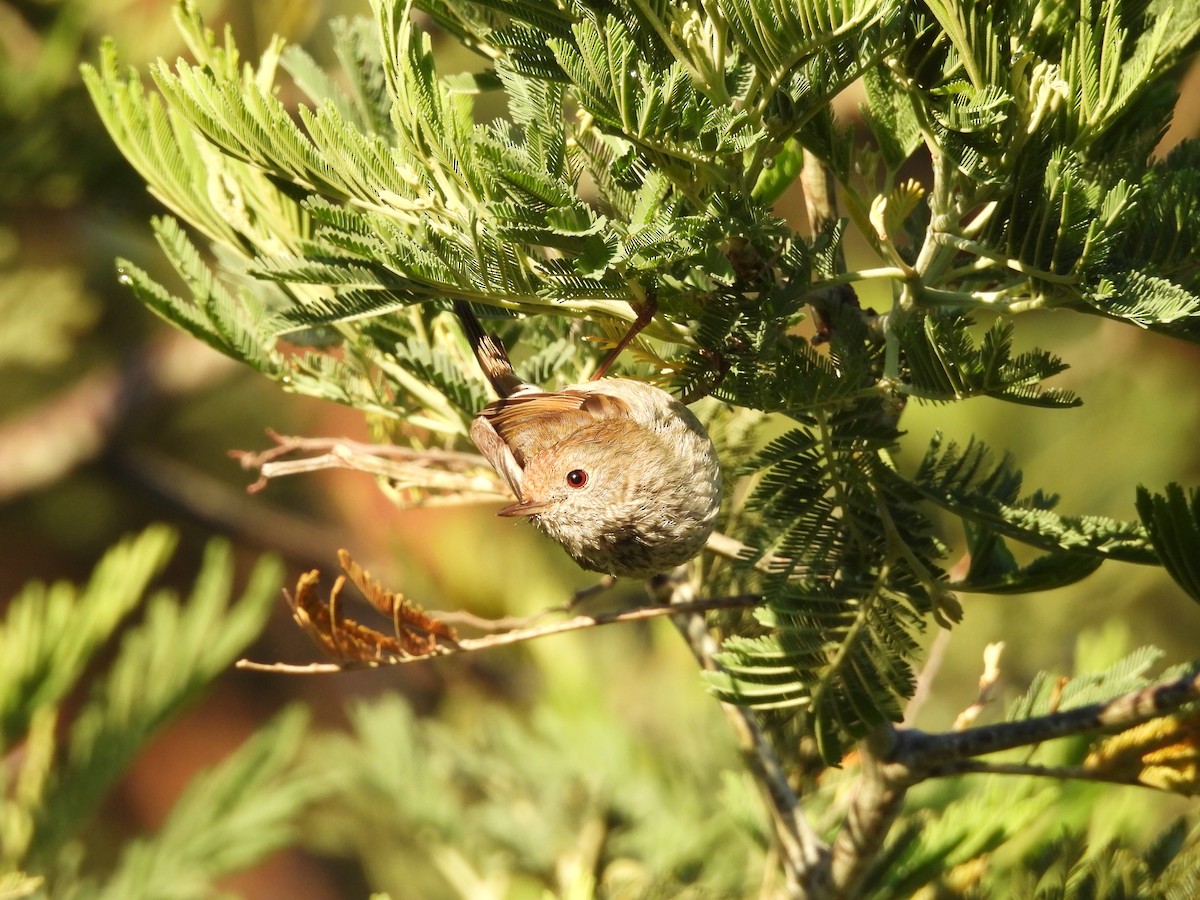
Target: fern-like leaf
x=228 y=818
x=50 y=632
x=970 y=484
x=1172 y=521
x=163 y=665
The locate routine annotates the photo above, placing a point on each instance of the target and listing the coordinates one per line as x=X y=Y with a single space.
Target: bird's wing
x=498 y=453
x=532 y=422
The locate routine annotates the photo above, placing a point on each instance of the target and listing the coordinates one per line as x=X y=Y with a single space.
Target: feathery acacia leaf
x=161 y=666
x=625 y=168
x=230 y=817
x=1172 y=521
x=50 y=632
x=969 y=483
x=945 y=364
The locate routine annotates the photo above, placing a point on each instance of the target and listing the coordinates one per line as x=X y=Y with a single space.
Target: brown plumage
x=619 y=472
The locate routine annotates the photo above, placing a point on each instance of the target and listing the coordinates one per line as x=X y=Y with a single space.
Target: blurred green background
x=110 y=421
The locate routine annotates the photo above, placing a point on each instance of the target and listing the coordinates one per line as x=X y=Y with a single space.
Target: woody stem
x=645 y=315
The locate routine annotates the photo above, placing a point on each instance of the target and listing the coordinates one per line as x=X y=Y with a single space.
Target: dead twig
x=514 y=636
x=433 y=476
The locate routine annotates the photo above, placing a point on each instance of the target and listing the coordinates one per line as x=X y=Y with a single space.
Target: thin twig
x=456 y=477
x=894 y=760
x=1063 y=773
x=467 y=619
x=285 y=444
x=731 y=548
x=933 y=664
x=804 y=856
x=507 y=623
x=515 y=636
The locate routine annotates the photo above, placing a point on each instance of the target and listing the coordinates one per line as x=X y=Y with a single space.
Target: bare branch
x=507 y=623
x=731 y=548
x=921 y=752
x=515 y=636
x=1062 y=773
x=881 y=791
x=933 y=664
x=894 y=760
x=433 y=476
x=803 y=854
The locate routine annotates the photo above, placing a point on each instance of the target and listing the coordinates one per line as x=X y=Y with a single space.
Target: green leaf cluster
x=602 y=159
x=560 y=804
x=1042 y=125
x=50 y=638
x=999 y=835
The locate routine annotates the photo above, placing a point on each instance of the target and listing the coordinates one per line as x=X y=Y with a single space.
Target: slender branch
x=515 y=636
x=285 y=444
x=1063 y=773
x=922 y=752
x=804 y=855
x=457 y=478
x=933 y=664
x=507 y=623
x=894 y=760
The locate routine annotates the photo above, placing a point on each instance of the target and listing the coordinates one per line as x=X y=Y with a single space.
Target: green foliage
x=963 y=847
x=51 y=631
x=968 y=483
x=634 y=162
x=229 y=817
x=1168 y=869
x=1173 y=521
x=432 y=812
x=996 y=835
x=963 y=833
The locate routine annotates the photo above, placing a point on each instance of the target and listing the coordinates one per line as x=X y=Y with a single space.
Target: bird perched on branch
x=619 y=472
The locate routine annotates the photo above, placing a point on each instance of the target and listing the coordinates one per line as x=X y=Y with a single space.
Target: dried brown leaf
x=415 y=629
x=416 y=633
x=341 y=639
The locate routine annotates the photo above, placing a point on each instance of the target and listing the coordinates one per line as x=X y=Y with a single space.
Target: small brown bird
x=619 y=472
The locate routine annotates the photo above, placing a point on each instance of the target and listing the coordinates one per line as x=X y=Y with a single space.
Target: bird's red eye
x=577 y=478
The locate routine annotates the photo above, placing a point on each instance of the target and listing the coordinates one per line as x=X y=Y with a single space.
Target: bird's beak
x=522 y=508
